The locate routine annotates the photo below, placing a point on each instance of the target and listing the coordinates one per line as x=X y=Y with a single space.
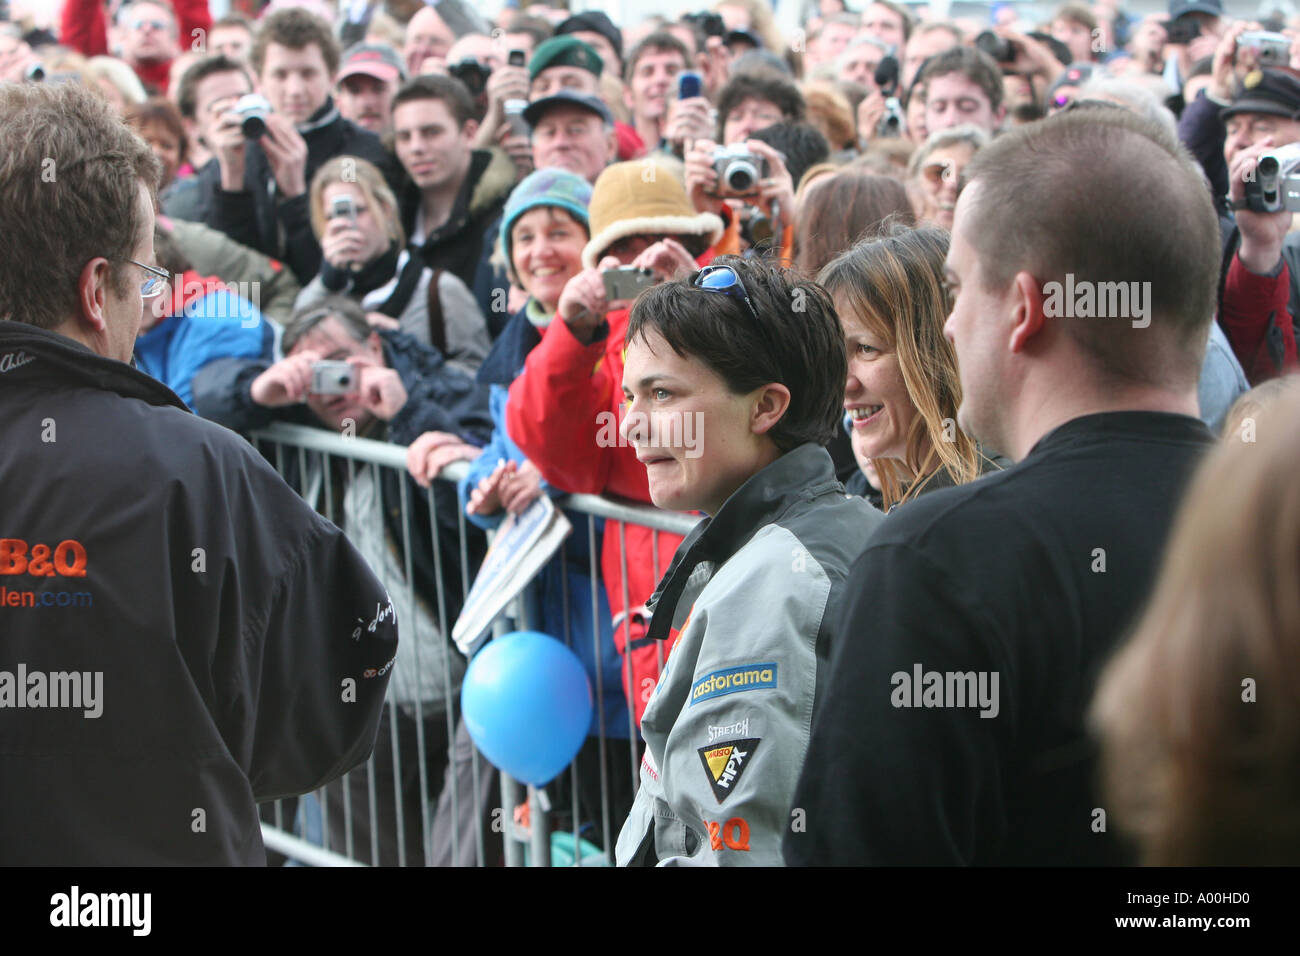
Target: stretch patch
x=725 y=762
x=733 y=680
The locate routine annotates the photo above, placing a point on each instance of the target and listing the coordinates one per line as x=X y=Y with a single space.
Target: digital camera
x=472 y=73
x=514 y=110
x=1276 y=185
x=739 y=170
x=253 y=110
x=1274 y=48
x=626 y=282
x=1182 y=31
x=343 y=206
x=333 y=378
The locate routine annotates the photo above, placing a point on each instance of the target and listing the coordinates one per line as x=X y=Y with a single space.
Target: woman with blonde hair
x=1199 y=713
x=903 y=389
x=364 y=257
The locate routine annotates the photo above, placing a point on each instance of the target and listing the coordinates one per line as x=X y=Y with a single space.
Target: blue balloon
x=527 y=705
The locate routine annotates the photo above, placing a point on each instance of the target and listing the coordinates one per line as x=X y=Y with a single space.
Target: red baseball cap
x=378 y=60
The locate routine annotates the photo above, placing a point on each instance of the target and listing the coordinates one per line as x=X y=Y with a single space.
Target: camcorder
x=1276 y=186
x=999 y=48
x=253 y=109
x=887 y=74
x=1274 y=48
x=739 y=171
x=333 y=378
x=473 y=73
x=626 y=282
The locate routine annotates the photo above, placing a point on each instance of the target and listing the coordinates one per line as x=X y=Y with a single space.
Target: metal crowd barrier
x=300 y=830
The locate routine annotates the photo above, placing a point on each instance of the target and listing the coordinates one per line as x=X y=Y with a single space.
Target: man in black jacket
x=952 y=727
x=180 y=636
x=400 y=390
x=261 y=197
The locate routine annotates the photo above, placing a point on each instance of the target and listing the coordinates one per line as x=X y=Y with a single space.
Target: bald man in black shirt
x=951 y=730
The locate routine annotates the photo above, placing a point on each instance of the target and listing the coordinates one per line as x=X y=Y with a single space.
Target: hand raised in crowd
x=1261 y=232
x=701 y=177
x=870 y=112
x=1230 y=64
x=688 y=120
x=429 y=454
x=583 y=303
x=342 y=244
x=667 y=259
x=1033 y=58
x=286 y=152
x=380 y=387
x=229 y=145
x=518 y=148
x=286 y=382
x=505 y=83
x=776 y=190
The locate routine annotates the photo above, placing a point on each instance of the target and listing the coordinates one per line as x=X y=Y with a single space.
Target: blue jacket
x=545 y=597
x=220 y=324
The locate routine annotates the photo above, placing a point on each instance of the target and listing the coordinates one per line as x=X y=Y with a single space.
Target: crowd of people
x=956 y=309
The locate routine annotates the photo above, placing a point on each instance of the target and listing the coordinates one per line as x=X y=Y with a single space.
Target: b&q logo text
x=67 y=559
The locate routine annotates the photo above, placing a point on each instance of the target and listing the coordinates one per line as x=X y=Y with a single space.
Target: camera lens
x=253 y=126
x=741 y=177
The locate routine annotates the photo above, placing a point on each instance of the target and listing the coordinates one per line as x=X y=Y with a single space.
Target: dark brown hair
x=841 y=210
x=296 y=29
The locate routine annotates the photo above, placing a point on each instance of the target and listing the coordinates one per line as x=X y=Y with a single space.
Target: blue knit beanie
x=545 y=187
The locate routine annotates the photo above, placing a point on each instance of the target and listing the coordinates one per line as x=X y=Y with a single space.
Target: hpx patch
x=725 y=762
x=733 y=680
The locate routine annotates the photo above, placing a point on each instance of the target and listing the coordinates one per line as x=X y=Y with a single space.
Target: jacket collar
x=32 y=356
x=799 y=475
x=327 y=114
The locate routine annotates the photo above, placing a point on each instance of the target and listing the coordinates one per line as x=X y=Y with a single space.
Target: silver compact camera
x=253 y=110
x=626 y=282
x=333 y=378
x=1276 y=186
x=1274 y=48
x=739 y=171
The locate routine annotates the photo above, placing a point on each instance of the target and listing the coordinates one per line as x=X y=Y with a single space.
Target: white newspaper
x=522 y=546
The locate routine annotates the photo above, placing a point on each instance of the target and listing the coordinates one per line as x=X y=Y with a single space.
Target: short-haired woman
x=363 y=256
x=731 y=381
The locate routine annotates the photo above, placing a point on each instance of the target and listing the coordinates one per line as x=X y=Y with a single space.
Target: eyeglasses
x=725 y=279
x=159 y=25
x=156 y=282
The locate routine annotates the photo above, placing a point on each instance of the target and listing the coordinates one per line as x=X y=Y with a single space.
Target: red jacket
x=554 y=416
x=1255 y=319
x=83 y=27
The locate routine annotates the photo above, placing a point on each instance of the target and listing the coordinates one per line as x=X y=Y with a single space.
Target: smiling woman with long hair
x=903 y=390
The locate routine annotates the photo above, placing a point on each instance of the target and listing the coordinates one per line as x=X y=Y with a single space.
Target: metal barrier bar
x=312 y=447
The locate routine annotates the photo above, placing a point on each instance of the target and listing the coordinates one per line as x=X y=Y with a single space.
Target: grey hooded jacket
x=752 y=593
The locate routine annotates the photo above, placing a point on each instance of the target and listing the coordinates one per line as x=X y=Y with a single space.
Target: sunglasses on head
x=726 y=280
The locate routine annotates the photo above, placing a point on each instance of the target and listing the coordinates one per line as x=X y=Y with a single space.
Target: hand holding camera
x=1260 y=181
x=287 y=382
x=286 y=152
x=343 y=246
x=665 y=259
x=583 y=303
x=380 y=388
x=507 y=83
x=1231 y=63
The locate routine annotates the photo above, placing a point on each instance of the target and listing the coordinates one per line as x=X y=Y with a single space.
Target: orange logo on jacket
x=734 y=834
x=67 y=559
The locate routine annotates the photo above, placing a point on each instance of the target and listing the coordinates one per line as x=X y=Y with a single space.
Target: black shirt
x=1031 y=575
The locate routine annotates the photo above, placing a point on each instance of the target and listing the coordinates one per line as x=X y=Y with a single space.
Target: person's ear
x=769 y=407
x=92 y=293
x=1000 y=116
x=611 y=146
x=469 y=130
x=1028 y=318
